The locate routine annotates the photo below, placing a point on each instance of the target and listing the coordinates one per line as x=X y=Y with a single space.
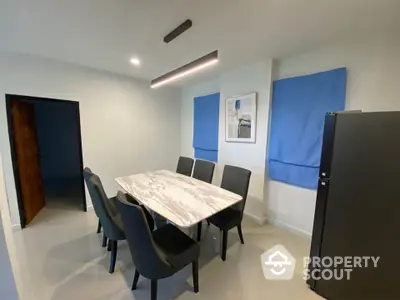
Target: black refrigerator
x=357 y=211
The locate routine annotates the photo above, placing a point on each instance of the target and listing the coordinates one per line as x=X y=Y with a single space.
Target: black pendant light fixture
x=194 y=66
x=178 y=31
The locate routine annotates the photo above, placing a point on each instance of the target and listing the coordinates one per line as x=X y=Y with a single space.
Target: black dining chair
x=106 y=210
x=158 y=254
x=89 y=171
x=185 y=165
x=204 y=171
x=110 y=220
x=236 y=180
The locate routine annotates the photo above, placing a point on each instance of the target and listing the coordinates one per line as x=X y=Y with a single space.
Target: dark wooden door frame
x=9 y=98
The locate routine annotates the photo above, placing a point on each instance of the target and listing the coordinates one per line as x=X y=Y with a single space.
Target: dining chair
x=204 y=171
x=156 y=254
x=89 y=172
x=110 y=219
x=106 y=209
x=236 y=180
x=185 y=165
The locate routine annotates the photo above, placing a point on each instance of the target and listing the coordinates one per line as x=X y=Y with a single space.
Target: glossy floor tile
x=59 y=257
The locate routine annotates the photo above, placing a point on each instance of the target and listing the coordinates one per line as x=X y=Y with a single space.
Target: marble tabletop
x=183 y=200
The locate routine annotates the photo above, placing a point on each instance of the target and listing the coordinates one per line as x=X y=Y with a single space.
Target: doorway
x=46 y=151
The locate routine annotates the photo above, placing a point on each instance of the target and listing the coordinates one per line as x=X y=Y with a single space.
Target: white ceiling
x=105 y=34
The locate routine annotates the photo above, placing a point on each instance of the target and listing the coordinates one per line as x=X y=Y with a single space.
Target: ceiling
x=105 y=34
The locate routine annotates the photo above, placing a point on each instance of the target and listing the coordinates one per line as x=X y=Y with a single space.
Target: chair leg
x=104 y=243
x=109 y=245
x=153 y=289
x=114 y=249
x=239 y=228
x=208 y=223
x=199 y=226
x=224 y=243
x=195 y=274
x=99 y=227
x=135 y=280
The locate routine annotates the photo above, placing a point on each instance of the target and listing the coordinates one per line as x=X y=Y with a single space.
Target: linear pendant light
x=194 y=66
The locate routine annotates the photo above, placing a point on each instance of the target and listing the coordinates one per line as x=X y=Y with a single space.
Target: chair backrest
x=99 y=200
x=87 y=174
x=237 y=181
x=147 y=258
x=185 y=165
x=203 y=170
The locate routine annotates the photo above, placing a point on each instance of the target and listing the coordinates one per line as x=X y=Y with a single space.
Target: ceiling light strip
x=194 y=66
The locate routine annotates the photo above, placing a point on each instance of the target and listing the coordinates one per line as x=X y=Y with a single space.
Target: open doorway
x=46 y=151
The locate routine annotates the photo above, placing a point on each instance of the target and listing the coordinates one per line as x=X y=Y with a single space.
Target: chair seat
x=178 y=248
x=226 y=219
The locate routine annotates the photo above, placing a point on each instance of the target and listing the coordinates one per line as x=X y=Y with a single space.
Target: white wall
x=252 y=78
x=372 y=85
x=126 y=126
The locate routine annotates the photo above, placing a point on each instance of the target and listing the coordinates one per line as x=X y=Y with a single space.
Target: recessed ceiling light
x=135 y=61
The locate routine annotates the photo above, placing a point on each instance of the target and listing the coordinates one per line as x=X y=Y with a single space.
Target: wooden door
x=27 y=159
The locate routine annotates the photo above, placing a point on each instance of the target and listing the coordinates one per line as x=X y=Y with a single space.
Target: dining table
x=184 y=201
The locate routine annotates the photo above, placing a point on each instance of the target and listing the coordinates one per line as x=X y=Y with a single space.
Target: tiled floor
x=59 y=257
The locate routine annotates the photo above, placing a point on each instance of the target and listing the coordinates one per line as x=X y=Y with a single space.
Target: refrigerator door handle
x=319 y=222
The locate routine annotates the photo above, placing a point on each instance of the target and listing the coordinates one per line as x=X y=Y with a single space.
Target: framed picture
x=241 y=118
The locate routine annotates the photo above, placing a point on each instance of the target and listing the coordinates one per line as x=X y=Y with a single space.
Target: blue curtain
x=205 y=127
x=298 y=110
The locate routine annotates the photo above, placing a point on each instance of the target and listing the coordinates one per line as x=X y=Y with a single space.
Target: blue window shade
x=298 y=110
x=205 y=127
x=211 y=155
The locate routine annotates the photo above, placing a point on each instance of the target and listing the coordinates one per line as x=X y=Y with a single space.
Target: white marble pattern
x=183 y=200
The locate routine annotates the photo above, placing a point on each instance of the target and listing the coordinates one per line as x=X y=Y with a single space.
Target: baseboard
x=290 y=228
x=259 y=220
x=16 y=227
x=89 y=207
